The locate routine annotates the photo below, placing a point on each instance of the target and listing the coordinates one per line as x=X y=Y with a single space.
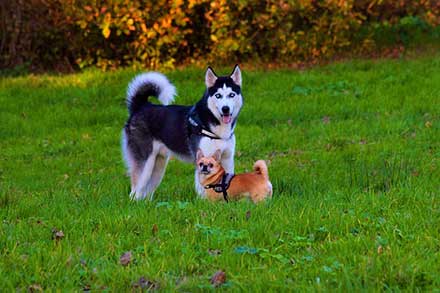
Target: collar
x=223 y=186
x=197 y=127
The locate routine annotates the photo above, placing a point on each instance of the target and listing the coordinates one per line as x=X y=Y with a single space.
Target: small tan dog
x=212 y=176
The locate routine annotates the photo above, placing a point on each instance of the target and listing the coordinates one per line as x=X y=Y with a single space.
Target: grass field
x=354 y=151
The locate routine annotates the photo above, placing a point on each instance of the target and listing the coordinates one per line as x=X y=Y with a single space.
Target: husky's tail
x=260 y=167
x=149 y=84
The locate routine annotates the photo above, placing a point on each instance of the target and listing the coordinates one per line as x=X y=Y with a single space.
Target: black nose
x=225 y=110
x=205 y=168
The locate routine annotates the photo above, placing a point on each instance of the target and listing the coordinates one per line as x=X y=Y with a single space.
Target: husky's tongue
x=226 y=119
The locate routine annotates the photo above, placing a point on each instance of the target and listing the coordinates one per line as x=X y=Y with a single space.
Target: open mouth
x=226 y=118
x=205 y=172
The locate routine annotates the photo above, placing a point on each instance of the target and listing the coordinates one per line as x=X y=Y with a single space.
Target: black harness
x=223 y=186
x=196 y=126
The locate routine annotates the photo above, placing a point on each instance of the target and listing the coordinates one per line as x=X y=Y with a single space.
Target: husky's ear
x=217 y=155
x=210 y=77
x=236 y=75
x=199 y=154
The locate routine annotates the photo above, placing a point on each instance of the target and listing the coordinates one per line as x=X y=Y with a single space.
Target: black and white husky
x=155 y=132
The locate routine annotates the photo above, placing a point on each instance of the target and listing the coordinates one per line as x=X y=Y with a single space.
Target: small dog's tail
x=149 y=84
x=260 y=167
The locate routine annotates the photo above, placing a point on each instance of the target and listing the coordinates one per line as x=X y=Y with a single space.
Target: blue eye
x=218 y=96
x=231 y=95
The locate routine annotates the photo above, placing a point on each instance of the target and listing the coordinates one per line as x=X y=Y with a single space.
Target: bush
x=35 y=34
x=60 y=34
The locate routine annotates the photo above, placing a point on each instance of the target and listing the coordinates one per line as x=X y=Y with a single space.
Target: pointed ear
x=199 y=155
x=236 y=75
x=210 y=77
x=217 y=155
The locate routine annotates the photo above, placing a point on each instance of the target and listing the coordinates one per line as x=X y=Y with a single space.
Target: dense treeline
x=69 y=34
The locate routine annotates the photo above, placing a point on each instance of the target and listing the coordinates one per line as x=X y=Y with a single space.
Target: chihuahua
x=220 y=185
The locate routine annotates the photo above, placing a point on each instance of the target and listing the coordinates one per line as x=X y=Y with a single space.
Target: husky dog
x=155 y=132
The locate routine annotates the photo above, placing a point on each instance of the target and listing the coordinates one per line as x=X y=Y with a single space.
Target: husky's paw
x=135 y=196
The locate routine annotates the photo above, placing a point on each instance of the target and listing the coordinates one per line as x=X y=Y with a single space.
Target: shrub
x=36 y=34
x=56 y=33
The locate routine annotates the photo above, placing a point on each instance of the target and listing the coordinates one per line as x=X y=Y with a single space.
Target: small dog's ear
x=236 y=75
x=210 y=77
x=217 y=155
x=199 y=154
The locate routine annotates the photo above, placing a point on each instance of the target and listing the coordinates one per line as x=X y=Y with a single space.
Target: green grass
x=354 y=161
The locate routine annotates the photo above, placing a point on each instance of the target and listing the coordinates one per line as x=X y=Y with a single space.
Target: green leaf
x=245 y=249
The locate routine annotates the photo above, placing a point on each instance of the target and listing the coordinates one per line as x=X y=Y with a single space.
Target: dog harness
x=223 y=186
x=196 y=126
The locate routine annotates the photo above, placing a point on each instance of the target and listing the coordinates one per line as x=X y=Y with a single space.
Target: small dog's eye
x=201 y=165
x=231 y=95
x=218 y=96
x=211 y=165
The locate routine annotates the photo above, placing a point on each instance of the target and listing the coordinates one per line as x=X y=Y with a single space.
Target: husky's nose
x=225 y=110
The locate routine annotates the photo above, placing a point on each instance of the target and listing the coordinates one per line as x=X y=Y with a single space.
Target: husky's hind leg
x=134 y=166
x=140 y=190
x=157 y=174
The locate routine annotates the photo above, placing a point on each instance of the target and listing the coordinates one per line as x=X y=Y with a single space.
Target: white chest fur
x=223 y=130
x=209 y=146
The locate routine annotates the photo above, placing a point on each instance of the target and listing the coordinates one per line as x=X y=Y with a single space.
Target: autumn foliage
x=56 y=34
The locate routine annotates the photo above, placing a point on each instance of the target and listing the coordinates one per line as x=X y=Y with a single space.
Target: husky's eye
x=210 y=165
x=218 y=96
x=231 y=95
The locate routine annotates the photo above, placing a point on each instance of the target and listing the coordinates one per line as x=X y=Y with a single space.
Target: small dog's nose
x=225 y=110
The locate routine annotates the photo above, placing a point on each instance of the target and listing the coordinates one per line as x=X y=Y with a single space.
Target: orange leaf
x=106 y=32
x=144 y=27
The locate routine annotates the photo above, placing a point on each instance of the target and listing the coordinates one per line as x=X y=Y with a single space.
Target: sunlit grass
x=354 y=160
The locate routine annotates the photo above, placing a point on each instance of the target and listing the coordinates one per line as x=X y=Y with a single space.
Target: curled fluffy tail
x=260 y=167
x=149 y=84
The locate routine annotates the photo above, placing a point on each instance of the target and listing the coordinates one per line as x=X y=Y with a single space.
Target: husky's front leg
x=228 y=163
x=227 y=159
x=199 y=188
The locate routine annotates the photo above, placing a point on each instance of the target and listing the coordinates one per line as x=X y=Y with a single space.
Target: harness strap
x=197 y=127
x=199 y=130
x=223 y=186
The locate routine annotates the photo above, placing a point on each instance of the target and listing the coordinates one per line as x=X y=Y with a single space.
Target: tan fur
x=254 y=185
